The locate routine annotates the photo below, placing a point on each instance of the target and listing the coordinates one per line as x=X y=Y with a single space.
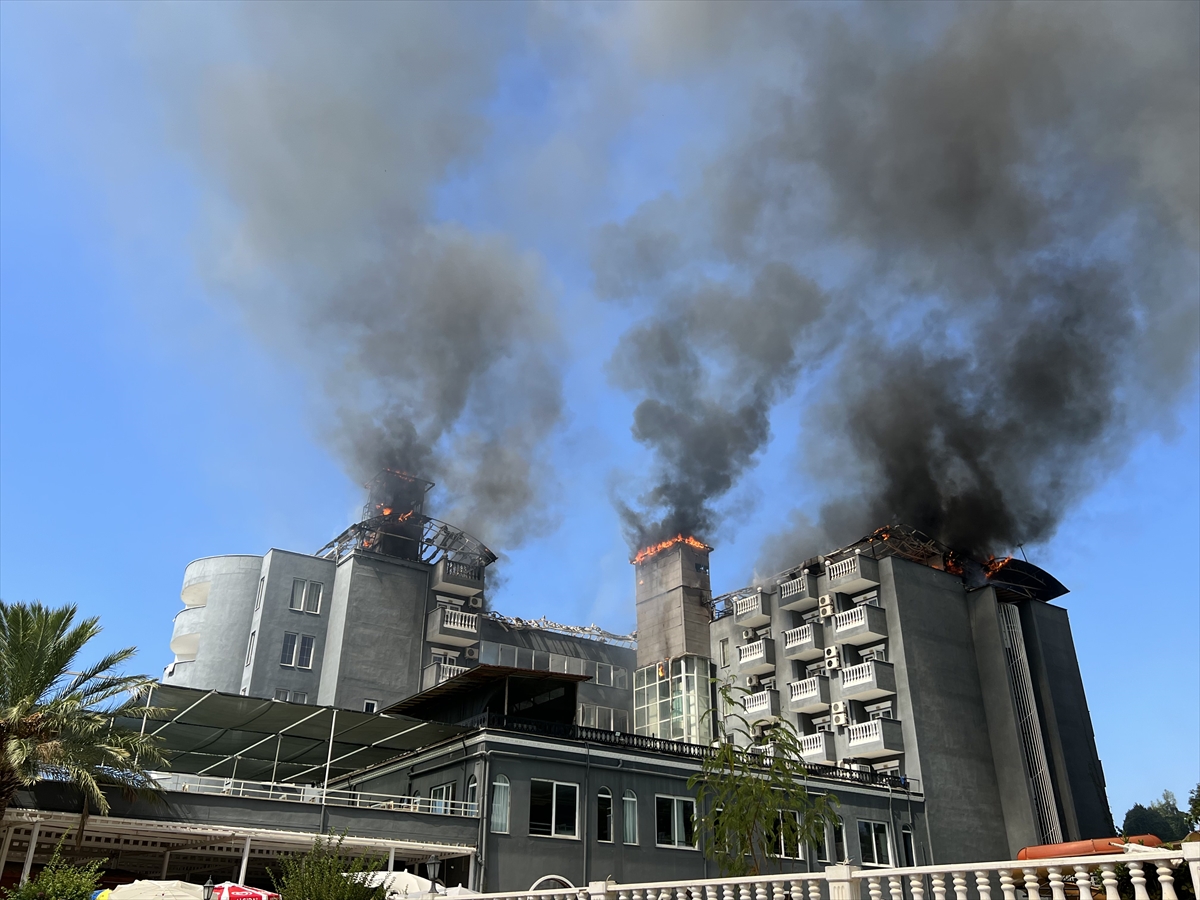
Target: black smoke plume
x=993 y=209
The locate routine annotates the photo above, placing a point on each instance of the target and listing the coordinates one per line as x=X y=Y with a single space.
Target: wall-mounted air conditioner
x=831 y=652
x=753 y=681
x=748 y=634
x=838 y=706
x=833 y=663
x=841 y=719
x=471 y=653
x=826 y=606
x=475 y=602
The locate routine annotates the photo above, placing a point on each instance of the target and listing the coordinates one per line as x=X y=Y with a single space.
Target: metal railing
x=459 y=620
x=1085 y=877
x=850 y=618
x=465 y=571
x=756 y=650
x=310 y=794
x=794 y=637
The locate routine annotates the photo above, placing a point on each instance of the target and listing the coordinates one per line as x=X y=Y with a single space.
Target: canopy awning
x=225 y=735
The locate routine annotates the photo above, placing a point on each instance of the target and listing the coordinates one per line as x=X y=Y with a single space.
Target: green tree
x=61 y=880
x=58 y=723
x=752 y=801
x=1161 y=818
x=1193 y=811
x=327 y=873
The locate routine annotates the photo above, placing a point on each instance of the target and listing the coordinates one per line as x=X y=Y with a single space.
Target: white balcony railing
x=847 y=566
x=794 y=637
x=809 y=687
x=865 y=731
x=459 y=620
x=760 y=702
x=446 y=671
x=850 y=618
x=748 y=652
x=299 y=793
x=746 y=605
x=857 y=674
x=812 y=743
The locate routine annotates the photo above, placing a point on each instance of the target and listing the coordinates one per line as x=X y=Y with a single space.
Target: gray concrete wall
x=941 y=704
x=1067 y=725
x=217 y=623
x=1008 y=757
x=376 y=631
x=672 y=591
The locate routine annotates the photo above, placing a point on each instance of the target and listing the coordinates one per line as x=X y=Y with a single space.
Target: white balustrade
x=795 y=586
x=446 y=671
x=807 y=688
x=864 y=731
x=812 y=743
x=459 y=620
x=850 y=618
x=858 y=674
x=745 y=605
x=748 y=652
x=794 y=637
x=841 y=569
x=759 y=702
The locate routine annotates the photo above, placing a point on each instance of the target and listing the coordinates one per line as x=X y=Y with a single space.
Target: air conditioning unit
x=825 y=606
x=753 y=681
x=841 y=719
x=471 y=653
x=833 y=663
x=748 y=634
x=831 y=652
x=475 y=602
x=838 y=706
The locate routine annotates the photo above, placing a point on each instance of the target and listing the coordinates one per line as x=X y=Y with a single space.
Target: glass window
x=629 y=817
x=553 y=808
x=299 y=697
x=500 y=805
x=787 y=846
x=873 y=843
x=674 y=822
x=440 y=797
x=250 y=648
x=906 y=843
x=312 y=598
x=472 y=795
x=604 y=718
x=724 y=645
x=288 y=655
x=306 y=651
x=541 y=660
x=297 y=601
x=604 y=816
x=621 y=677
x=262 y=585
x=370 y=706
x=621 y=721
x=281 y=694
x=604 y=674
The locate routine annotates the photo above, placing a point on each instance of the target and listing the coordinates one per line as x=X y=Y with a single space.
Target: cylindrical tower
x=212 y=632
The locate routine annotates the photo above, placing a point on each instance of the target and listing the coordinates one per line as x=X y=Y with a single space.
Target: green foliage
x=1193 y=810
x=58 y=724
x=318 y=874
x=1162 y=818
x=752 y=802
x=60 y=880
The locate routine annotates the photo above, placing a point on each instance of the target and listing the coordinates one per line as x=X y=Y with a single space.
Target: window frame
x=262 y=589
x=554 y=801
x=471 y=797
x=293 y=605
x=250 y=649
x=286 y=694
x=676 y=821
x=308 y=592
x=286 y=660
x=440 y=798
x=300 y=697
x=501 y=784
x=373 y=704
x=629 y=802
x=873 y=827
x=312 y=651
x=604 y=796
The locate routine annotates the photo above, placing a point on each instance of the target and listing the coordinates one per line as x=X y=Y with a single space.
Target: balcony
x=868 y=681
x=875 y=739
x=763 y=705
x=757 y=658
x=753 y=611
x=861 y=625
x=460 y=579
x=853 y=574
x=453 y=627
x=818 y=748
x=435 y=674
x=799 y=594
x=806 y=642
x=810 y=695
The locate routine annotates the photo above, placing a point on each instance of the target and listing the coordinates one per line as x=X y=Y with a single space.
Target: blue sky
x=145 y=422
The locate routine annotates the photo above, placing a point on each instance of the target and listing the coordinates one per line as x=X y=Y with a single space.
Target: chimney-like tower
x=673 y=595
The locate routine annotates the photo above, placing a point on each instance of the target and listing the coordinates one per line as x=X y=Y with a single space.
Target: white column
x=392 y=859
x=245 y=861
x=1191 y=852
x=166 y=862
x=8 y=836
x=33 y=836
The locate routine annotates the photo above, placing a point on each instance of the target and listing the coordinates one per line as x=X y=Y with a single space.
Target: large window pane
x=541 y=807
x=500 y=792
x=306 y=651
x=882 y=854
x=664 y=814
x=866 y=842
x=312 y=599
x=565 y=803
x=629 y=817
x=604 y=816
x=297 y=601
x=287 y=656
x=684 y=823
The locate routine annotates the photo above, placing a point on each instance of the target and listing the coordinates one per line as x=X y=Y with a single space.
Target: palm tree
x=59 y=724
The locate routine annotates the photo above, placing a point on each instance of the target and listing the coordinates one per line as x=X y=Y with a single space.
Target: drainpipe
x=485 y=808
x=586 y=807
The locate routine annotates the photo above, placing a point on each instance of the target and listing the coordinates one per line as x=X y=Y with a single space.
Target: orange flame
x=647 y=552
x=992 y=565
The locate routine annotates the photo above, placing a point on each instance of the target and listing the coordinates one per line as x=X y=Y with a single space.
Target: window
x=786 y=846
x=834 y=849
x=621 y=677
x=873 y=844
x=369 y=706
x=472 y=795
x=629 y=816
x=262 y=586
x=312 y=598
x=724 y=652
x=250 y=648
x=674 y=822
x=287 y=656
x=621 y=720
x=500 y=805
x=440 y=797
x=604 y=816
x=906 y=845
x=604 y=674
x=281 y=694
x=299 y=697
x=553 y=808
x=297 y=601
x=306 y=651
